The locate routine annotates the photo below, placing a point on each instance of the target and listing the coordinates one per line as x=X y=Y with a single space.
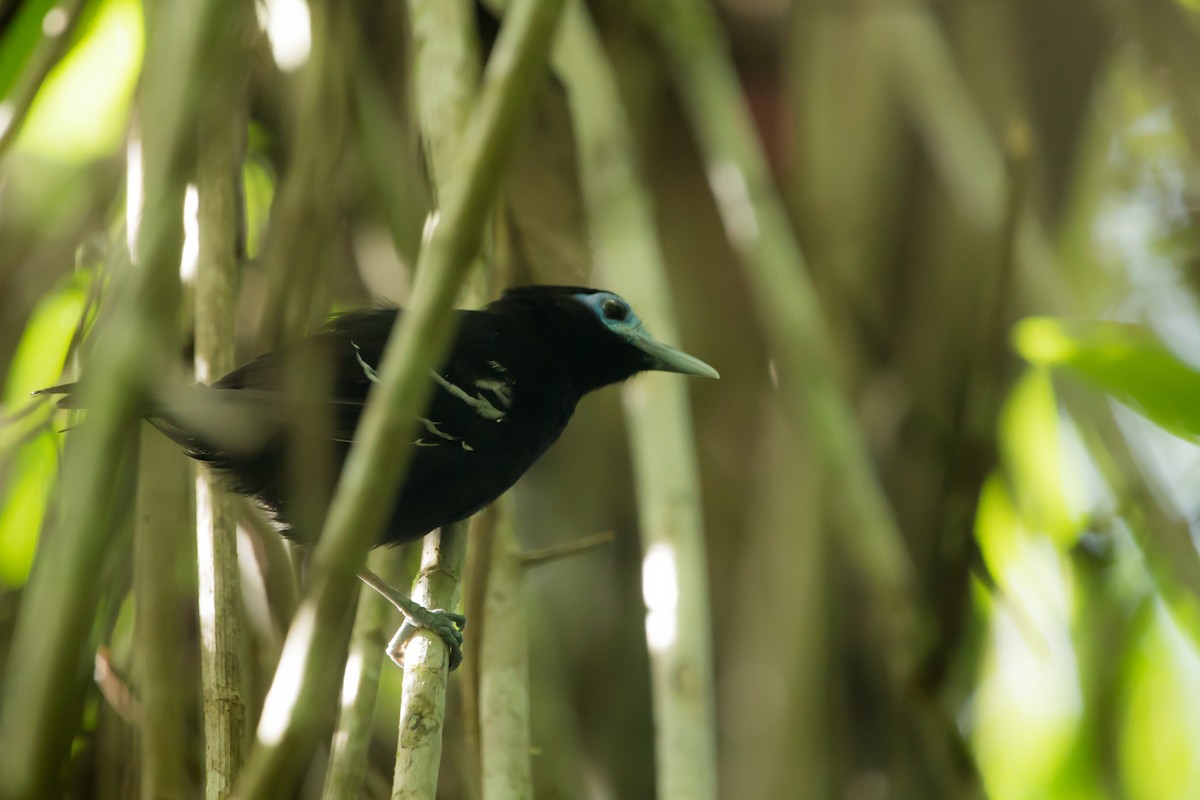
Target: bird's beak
x=668 y=359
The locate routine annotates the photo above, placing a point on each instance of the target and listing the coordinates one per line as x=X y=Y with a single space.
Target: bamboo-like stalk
x=222 y=643
x=504 y=723
x=760 y=232
x=798 y=335
x=300 y=243
x=426 y=659
x=374 y=467
x=918 y=61
x=360 y=687
x=162 y=516
x=446 y=71
x=476 y=573
x=132 y=343
x=621 y=219
x=445 y=77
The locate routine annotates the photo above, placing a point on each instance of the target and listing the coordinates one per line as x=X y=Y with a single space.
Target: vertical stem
x=798 y=334
x=504 y=675
x=423 y=702
x=221 y=624
x=40 y=706
x=301 y=241
x=160 y=599
x=446 y=67
x=446 y=78
x=360 y=687
x=675 y=572
x=374 y=468
x=758 y=228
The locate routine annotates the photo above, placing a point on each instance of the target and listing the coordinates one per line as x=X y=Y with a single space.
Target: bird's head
x=603 y=336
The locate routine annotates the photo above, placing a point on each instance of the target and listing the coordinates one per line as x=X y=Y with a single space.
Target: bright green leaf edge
x=1125 y=360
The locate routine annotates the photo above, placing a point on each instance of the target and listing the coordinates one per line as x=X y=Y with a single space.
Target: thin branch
x=532 y=558
x=374 y=467
x=678 y=623
x=115 y=690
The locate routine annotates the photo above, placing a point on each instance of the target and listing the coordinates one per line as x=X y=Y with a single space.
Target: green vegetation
x=933 y=534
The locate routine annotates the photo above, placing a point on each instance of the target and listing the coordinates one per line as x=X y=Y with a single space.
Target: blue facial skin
x=619 y=318
x=613 y=311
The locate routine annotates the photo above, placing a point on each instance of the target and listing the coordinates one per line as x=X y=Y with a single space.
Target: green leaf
x=20 y=40
x=1043 y=478
x=39 y=359
x=1127 y=361
x=81 y=112
x=34 y=469
x=38 y=363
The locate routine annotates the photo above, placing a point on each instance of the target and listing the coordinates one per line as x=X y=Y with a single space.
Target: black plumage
x=515 y=372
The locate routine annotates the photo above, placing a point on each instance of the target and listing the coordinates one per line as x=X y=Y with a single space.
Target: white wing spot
x=478 y=404
x=367 y=369
x=499 y=388
x=433 y=428
x=423 y=443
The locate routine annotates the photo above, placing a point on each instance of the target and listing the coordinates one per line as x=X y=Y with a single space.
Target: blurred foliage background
x=997 y=202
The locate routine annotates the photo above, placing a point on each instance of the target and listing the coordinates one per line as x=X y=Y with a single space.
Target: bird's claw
x=446 y=624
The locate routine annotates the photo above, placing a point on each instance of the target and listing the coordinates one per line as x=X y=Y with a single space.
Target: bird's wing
x=283 y=389
x=472 y=392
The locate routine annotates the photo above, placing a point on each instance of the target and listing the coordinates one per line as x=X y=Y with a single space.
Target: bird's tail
x=202 y=421
x=69 y=394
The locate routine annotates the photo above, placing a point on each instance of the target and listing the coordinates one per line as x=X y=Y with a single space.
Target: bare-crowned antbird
x=515 y=372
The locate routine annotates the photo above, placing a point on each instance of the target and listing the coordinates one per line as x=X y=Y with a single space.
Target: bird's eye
x=614 y=310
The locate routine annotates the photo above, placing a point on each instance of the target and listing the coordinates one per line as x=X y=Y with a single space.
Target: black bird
x=515 y=372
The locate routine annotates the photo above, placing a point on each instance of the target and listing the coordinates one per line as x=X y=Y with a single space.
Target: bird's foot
x=445 y=624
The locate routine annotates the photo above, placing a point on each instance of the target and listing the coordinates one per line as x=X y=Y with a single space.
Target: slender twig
x=532 y=558
x=374 y=467
x=132 y=344
x=222 y=643
x=622 y=222
x=115 y=689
